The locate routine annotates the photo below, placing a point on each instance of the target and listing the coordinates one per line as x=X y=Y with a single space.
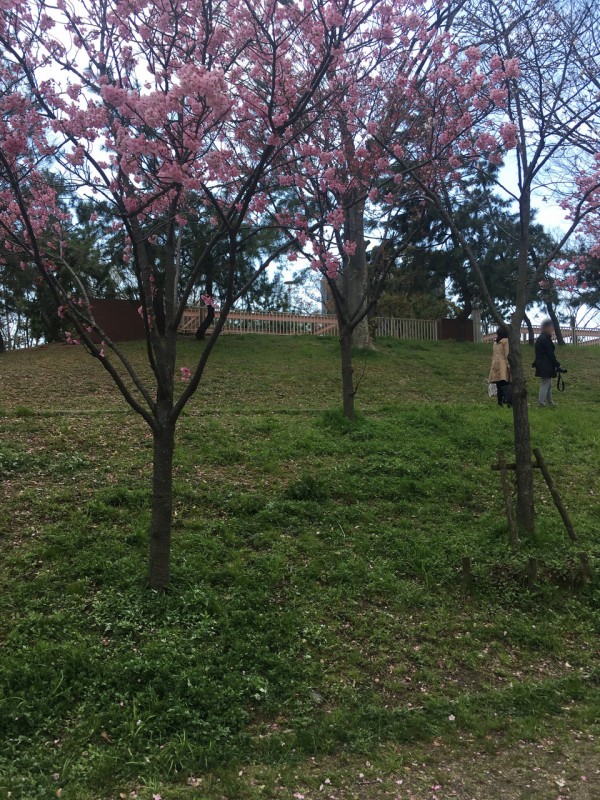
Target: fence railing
x=280 y=323
x=288 y=324
x=407 y=328
x=579 y=336
x=276 y=323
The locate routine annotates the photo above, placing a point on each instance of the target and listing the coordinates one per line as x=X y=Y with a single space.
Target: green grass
x=317 y=632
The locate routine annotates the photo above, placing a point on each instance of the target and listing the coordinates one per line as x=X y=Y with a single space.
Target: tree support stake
x=508 y=504
x=555 y=493
x=502 y=467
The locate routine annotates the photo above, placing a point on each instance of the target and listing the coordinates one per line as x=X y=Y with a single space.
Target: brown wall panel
x=119 y=319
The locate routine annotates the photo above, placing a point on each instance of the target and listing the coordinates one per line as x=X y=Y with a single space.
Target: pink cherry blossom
x=160 y=113
x=508 y=134
x=71 y=338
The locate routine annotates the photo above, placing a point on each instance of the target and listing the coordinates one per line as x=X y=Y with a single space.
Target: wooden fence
x=579 y=336
x=279 y=323
x=287 y=324
x=407 y=328
x=276 y=323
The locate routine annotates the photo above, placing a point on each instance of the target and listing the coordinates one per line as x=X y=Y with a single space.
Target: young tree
x=138 y=106
x=547 y=52
x=491 y=227
x=344 y=187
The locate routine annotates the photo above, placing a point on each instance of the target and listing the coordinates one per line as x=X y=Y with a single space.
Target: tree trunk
x=162 y=507
x=347 y=375
x=158 y=304
x=530 y=332
x=205 y=324
x=52 y=331
x=464 y=314
x=356 y=273
x=524 y=471
x=557 y=331
x=464 y=289
x=2 y=345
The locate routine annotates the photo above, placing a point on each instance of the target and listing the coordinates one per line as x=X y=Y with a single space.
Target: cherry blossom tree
x=574 y=282
x=139 y=107
x=349 y=178
x=548 y=116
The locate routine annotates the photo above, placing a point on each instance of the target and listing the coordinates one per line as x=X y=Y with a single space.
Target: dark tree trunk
x=347 y=375
x=372 y=323
x=524 y=471
x=464 y=314
x=530 y=331
x=557 y=331
x=52 y=328
x=158 y=303
x=465 y=292
x=162 y=507
x=2 y=344
x=356 y=273
x=522 y=432
x=205 y=324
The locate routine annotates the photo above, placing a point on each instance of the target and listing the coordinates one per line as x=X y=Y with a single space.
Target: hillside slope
x=317 y=633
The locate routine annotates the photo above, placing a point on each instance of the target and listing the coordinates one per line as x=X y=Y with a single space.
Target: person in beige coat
x=500 y=371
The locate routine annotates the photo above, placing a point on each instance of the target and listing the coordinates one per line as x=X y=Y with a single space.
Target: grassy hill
x=317 y=641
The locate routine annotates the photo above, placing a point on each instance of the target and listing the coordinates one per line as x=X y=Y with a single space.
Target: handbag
x=492 y=390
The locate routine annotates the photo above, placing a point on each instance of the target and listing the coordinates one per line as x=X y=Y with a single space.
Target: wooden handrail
x=287 y=323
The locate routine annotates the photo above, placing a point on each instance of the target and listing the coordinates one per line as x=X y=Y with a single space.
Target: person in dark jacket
x=546 y=363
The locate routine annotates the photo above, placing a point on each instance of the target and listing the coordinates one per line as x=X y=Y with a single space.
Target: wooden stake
x=555 y=494
x=513 y=466
x=586 y=572
x=467 y=575
x=512 y=527
x=532 y=571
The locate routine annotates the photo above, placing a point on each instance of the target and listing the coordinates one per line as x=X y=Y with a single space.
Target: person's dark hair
x=547 y=323
x=501 y=334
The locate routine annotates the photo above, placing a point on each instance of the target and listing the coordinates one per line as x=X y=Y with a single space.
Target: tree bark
x=2 y=344
x=356 y=273
x=525 y=511
x=530 y=332
x=158 y=303
x=524 y=471
x=464 y=314
x=560 y=339
x=205 y=324
x=347 y=375
x=162 y=506
x=52 y=331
